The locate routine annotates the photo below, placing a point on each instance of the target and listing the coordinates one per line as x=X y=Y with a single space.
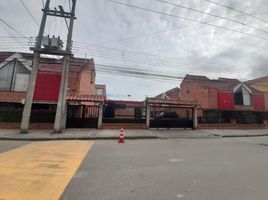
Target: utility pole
x=51 y=49
x=61 y=113
x=31 y=86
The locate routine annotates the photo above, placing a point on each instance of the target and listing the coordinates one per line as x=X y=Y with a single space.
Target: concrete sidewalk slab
x=238 y=132
x=111 y=134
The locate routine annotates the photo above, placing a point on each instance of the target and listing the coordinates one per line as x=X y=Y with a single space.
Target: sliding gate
x=171 y=117
x=122 y=113
x=81 y=116
x=171 y=113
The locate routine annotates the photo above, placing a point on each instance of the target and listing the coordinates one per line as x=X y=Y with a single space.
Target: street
x=208 y=168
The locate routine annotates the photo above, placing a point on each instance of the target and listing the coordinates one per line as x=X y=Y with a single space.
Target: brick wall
x=266 y=101
x=213 y=99
x=86 y=84
x=12 y=125
x=193 y=92
x=72 y=82
x=232 y=126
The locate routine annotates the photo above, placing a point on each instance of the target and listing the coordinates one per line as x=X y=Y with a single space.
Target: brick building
x=15 y=69
x=225 y=100
x=222 y=93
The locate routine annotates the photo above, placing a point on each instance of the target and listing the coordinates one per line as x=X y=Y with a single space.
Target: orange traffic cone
x=121 y=137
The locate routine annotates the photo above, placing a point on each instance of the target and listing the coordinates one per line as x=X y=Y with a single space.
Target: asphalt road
x=201 y=169
x=9 y=145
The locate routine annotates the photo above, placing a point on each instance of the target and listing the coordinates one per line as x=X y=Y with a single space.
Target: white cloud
x=103 y=22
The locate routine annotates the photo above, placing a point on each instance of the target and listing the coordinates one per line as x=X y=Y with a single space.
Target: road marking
x=40 y=170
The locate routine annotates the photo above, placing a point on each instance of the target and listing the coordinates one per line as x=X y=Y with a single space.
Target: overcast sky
x=123 y=36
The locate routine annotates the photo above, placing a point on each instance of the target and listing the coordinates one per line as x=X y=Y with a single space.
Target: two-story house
x=224 y=100
x=15 y=70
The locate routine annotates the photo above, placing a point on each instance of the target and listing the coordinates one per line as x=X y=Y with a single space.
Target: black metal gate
x=171 y=117
x=80 y=116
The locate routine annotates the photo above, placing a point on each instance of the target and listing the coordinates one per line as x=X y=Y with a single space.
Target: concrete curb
x=77 y=138
x=126 y=137
x=234 y=136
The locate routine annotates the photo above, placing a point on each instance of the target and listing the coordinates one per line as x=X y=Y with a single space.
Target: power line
x=240 y=11
x=134 y=72
x=178 y=68
x=140 y=53
x=157 y=32
x=4 y=36
x=206 y=13
x=29 y=12
x=161 y=65
x=184 y=18
x=13 y=29
x=162 y=31
x=16 y=40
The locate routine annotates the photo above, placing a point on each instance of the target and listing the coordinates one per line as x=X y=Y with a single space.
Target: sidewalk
x=106 y=134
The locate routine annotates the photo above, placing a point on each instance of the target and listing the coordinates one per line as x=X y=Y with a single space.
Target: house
x=15 y=70
x=224 y=100
x=222 y=93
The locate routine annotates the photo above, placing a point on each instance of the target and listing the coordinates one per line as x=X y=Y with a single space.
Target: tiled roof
x=52 y=64
x=260 y=84
x=219 y=84
x=172 y=102
x=88 y=98
x=223 y=84
x=19 y=97
x=174 y=93
x=124 y=102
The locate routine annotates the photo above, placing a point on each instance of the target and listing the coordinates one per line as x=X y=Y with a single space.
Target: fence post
x=147 y=115
x=100 y=116
x=195 y=122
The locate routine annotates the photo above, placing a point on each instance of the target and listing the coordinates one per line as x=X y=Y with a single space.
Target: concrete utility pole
x=29 y=97
x=61 y=112
x=50 y=49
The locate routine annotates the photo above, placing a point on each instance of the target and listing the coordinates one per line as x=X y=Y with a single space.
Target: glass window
x=242 y=97
x=99 y=91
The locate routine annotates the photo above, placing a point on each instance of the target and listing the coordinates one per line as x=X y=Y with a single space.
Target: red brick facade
x=217 y=94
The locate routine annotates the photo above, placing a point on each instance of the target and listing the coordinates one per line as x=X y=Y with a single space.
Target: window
x=99 y=91
x=242 y=96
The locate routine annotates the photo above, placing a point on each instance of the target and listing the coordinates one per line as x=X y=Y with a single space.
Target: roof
x=181 y=103
x=223 y=84
x=47 y=63
x=85 y=98
x=19 y=97
x=124 y=102
x=220 y=84
x=260 y=84
x=173 y=93
x=100 y=86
